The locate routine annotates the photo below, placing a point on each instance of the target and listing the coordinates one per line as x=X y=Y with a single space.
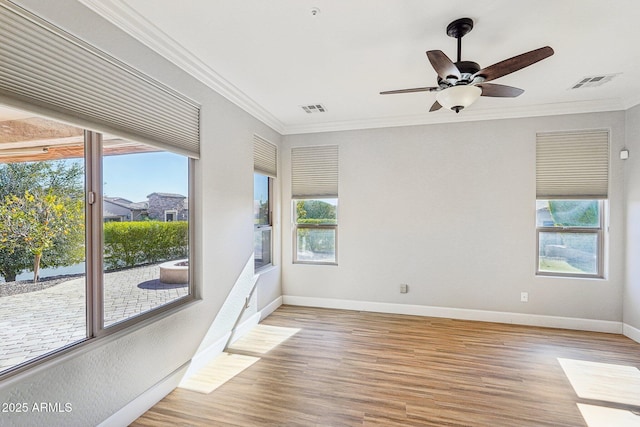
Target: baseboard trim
x=270 y=308
x=631 y=332
x=205 y=356
x=244 y=327
x=460 y=313
x=141 y=404
x=212 y=351
x=134 y=409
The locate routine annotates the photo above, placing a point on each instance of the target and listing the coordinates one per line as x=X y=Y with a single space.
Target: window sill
x=316 y=263
x=569 y=276
x=265 y=269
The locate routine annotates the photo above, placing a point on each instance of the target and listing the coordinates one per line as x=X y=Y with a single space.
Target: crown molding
x=632 y=102
x=470 y=115
x=130 y=21
x=136 y=25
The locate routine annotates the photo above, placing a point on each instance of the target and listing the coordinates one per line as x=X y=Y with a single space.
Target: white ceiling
x=271 y=57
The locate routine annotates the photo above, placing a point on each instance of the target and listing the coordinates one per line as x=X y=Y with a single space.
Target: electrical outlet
x=524 y=296
x=404 y=288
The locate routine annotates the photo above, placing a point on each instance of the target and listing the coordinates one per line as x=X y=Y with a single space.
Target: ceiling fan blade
x=435 y=107
x=443 y=65
x=516 y=63
x=415 y=89
x=499 y=91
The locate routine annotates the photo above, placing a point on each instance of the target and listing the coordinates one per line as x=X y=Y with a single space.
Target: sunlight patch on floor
x=598 y=416
x=603 y=381
x=217 y=372
x=262 y=339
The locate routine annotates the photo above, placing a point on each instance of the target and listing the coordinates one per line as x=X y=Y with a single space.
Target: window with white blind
x=94 y=235
x=265 y=166
x=99 y=158
x=572 y=181
x=314 y=190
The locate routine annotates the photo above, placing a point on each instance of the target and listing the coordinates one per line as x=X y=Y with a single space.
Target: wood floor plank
x=217 y=372
x=349 y=368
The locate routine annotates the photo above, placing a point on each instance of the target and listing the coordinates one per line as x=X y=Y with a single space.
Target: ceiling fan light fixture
x=458 y=97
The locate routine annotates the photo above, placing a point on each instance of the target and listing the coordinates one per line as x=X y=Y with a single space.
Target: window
x=314 y=189
x=572 y=171
x=570 y=237
x=316 y=228
x=170 y=215
x=43 y=288
x=265 y=166
x=77 y=211
x=145 y=258
x=63 y=258
x=262 y=220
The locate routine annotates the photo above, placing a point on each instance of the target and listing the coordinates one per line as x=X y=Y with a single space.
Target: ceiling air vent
x=593 y=81
x=314 y=108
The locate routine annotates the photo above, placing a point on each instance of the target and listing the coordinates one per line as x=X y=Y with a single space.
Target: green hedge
x=127 y=244
x=317 y=221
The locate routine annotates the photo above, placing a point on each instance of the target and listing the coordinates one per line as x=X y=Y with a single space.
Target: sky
x=134 y=176
x=260 y=187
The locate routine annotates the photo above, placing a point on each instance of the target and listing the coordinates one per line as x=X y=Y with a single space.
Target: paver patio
x=35 y=323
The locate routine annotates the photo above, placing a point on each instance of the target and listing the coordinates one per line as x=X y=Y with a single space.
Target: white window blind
x=314 y=172
x=47 y=70
x=265 y=157
x=572 y=165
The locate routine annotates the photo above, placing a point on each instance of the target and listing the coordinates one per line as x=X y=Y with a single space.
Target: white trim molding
x=460 y=313
x=134 y=409
x=631 y=332
x=470 y=116
x=119 y=13
x=125 y=17
x=211 y=352
x=244 y=327
x=270 y=308
x=141 y=404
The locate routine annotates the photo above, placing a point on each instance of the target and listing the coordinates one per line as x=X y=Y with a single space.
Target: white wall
x=102 y=377
x=450 y=210
x=632 y=181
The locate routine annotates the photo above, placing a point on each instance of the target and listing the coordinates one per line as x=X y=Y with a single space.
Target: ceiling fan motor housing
x=467 y=70
x=468 y=67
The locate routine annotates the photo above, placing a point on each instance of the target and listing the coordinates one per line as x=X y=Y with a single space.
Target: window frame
x=269 y=226
x=173 y=213
x=96 y=285
x=96 y=330
x=297 y=226
x=598 y=231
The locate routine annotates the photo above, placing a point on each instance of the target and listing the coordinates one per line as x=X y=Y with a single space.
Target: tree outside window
x=41 y=216
x=316 y=224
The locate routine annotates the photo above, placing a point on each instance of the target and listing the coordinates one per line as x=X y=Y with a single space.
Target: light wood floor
x=348 y=368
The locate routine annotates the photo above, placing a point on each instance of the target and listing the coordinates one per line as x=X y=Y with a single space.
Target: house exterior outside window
x=105 y=254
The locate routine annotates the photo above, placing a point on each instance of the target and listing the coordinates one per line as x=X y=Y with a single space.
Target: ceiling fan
x=461 y=83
